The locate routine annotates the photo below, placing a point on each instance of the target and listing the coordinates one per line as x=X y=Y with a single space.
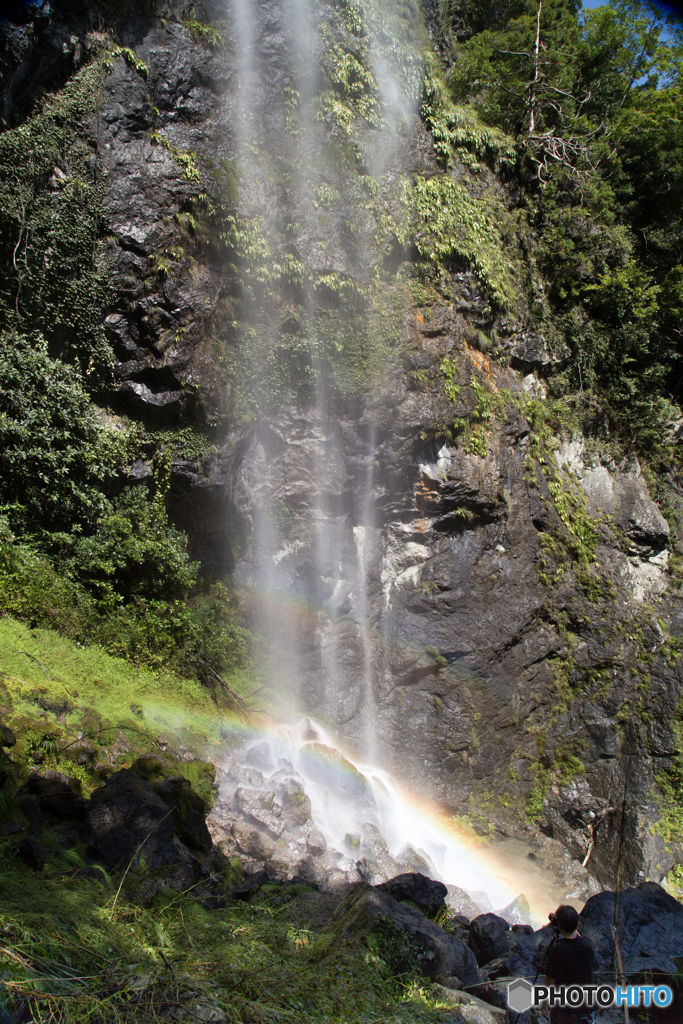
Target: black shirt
x=570 y=962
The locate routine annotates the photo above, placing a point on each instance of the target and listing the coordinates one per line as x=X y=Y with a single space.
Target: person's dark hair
x=567 y=918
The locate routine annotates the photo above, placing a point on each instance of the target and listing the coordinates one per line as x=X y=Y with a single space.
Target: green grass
x=71 y=951
x=50 y=684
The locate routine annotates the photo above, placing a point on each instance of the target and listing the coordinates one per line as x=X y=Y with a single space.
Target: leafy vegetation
x=592 y=105
x=108 y=570
x=116 y=589
x=54 y=272
x=55 y=457
x=452 y=224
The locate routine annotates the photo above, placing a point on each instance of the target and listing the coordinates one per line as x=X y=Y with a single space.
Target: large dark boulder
x=489 y=938
x=125 y=817
x=188 y=813
x=424 y=892
x=52 y=793
x=366 y=910
x=32 y=852
x=649 y=927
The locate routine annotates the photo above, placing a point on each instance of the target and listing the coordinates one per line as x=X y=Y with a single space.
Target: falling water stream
x=350 y=793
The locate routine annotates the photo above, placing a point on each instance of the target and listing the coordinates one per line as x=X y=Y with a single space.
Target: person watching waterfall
x=569 y=962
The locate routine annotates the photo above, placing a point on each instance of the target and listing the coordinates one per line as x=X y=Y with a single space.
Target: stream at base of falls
x=290 y=802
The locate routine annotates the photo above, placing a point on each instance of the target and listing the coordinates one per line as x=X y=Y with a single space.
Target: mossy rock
x=37 y=739
x=5 y=700
x=154 y=768
x=188 y=812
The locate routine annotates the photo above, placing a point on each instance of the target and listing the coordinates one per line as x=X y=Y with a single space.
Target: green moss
x=212 y=36
x=200 y=774
x=539 y=790
x=450 y=225
x=449 y=372
x=189 y=442
x=458 y=130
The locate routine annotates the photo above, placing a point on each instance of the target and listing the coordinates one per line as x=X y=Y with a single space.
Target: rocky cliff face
x=484 y=601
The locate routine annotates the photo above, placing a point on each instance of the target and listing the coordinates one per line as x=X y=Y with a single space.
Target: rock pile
x=262 y=814
x=649 y=926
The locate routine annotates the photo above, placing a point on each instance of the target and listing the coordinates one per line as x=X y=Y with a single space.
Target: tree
x=595 y=105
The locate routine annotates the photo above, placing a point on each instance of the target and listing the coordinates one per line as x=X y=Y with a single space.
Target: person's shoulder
x=586 y=943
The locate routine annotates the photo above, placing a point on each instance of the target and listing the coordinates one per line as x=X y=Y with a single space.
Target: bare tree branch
x=532 y=91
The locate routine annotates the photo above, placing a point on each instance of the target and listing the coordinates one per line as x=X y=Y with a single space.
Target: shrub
x=53 y=458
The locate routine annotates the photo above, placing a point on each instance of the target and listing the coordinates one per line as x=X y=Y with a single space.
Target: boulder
x=473 y=1010
x=260 y=755
x=460 y=902
x=368 y=910
x=52 y=793
x=650 y=924
x=377 y=863
x=427 y=894
x=188 y=812
x=650 y=928
x=201 y=775
x=32 y=852
x=316 y=842
x=489 y=938
x=28 y=805
x=237 y=774
x=125 y=817
x=296 y=806
x=261 y=806
x=482 y=900
x=327 y=766
x=416 y=861
x=637 y=514
x=517 y=912
x=246 y=889
x=352 y=842
x=252 y=841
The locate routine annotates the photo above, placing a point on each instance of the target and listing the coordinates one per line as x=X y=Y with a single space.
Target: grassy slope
x=45 y=678
x=75 y=948
x=76 y=951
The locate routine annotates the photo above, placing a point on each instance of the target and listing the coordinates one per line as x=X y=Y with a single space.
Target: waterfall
x=373 y=828
x=313 y=573
x=306 y=619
